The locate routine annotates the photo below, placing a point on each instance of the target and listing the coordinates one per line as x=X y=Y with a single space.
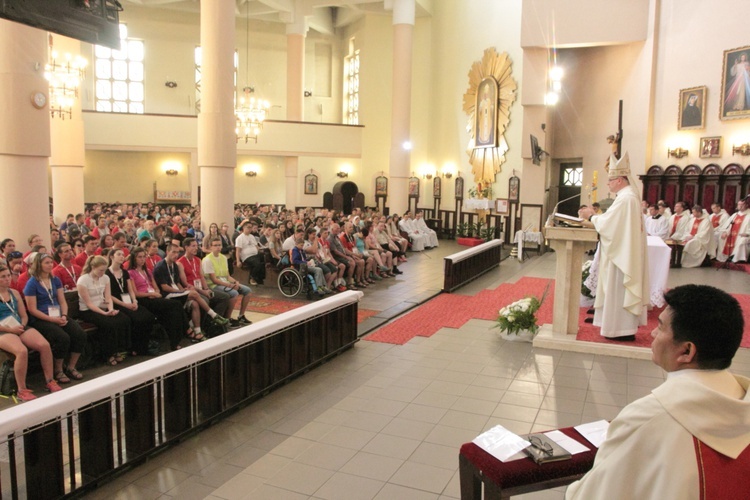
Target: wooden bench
x=478 y=469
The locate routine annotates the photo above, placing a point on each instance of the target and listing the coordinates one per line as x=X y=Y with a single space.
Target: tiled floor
x=385 y=422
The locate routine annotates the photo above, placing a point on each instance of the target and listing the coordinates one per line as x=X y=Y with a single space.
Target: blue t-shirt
x=44 y=297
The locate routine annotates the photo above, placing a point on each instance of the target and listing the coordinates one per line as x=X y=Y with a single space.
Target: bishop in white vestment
x=622 y=293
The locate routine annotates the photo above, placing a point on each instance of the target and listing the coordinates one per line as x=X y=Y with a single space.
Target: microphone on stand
x=551 y=216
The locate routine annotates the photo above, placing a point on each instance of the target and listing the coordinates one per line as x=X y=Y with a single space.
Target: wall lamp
x=251 y=173
x=742 y=149
x=251 y=170
x=342 y=174
x=171 y=171
x=428 y=176
x=677 y=153
x=448 y=175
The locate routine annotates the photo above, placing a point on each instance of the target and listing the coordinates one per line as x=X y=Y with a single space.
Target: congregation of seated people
x=127 y=268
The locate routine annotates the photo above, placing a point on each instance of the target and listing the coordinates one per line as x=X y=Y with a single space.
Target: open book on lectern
x=564 y=220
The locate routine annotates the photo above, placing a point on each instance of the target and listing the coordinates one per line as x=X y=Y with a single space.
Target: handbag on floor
x=8 y=385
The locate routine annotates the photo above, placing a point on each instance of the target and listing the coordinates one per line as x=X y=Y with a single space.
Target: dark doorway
x=348 y=190
x=570 y=182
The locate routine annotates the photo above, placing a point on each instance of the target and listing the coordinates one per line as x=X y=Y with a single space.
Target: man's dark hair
x=709 y=318
x=4 y=243
x=187 y=242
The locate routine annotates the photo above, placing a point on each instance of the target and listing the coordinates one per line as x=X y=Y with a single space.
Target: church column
x=217 y=145
x=295 y=85
x=24 y=133
x=68 y=149
x=400 y=156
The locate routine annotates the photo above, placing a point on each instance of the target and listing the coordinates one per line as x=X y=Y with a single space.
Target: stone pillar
x=295 y=88
x=217 y=144
x=68 y=149
x=24 y=134
x=400 y=157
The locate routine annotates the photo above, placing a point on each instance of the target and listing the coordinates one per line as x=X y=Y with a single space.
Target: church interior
x=359 y=90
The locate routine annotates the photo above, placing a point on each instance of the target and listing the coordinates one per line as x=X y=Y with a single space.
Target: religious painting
x=311 y=184
x=710 y=147
x=692 y=108
x=486 y=115
x=436 y=187
x=381 y=186
x=502 y=206
x=514 y=188
x=413 y=187
x=459 y=188
x=735 y=84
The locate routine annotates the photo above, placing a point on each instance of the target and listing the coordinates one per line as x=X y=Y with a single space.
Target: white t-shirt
x=247 y=244
x=95 y=289
x=288 y=244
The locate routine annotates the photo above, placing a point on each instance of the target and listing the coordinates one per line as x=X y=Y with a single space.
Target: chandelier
x=64 y=78
x=249 y=112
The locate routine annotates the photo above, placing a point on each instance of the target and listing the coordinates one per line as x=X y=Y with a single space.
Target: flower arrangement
x=520 y=315
x=585 y=272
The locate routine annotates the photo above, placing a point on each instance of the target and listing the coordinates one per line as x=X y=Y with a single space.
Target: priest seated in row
x=689 y=438
x=656 y=224
x=699 y=239
x=734 y=235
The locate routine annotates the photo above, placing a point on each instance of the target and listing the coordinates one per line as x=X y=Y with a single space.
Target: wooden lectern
x=569 y=243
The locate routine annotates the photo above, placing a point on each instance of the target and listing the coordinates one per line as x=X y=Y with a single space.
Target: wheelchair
x=293 y=282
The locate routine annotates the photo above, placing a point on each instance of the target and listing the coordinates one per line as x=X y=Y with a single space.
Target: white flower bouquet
x=520 y=315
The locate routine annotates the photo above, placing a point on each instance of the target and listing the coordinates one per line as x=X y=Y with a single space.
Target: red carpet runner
x=452 y=311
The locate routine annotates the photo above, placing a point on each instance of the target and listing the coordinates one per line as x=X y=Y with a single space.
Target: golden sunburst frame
x=487 y=101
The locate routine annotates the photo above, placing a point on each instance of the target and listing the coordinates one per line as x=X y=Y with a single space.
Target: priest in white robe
x=622 y=293
x=656 y=223
x=678 y=222
x=417 y=239
x=734 y=239
x=430 y=235
x=698 y=242
x=718 y=218
x=689 y=438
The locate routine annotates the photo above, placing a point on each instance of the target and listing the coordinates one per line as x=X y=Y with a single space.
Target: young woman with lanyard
x=122 y=290
x=45 y=300
x=153 y=257
x=95 y=306
x=169 y=313
x=16 y=338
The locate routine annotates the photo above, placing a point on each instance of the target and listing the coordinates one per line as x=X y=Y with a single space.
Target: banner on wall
x=173 y=195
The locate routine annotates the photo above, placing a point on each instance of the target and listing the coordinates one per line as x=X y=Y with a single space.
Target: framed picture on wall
x=502 y=206
x=514 y=189
x=710 y=147
x=459 y=188
x=413 y=187
x=531 y=217
x=436 y=187
x=381 y=186
x=311 y=184
x=692 y=108
x=735 y=73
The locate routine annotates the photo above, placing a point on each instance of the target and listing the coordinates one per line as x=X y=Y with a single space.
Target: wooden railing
x=465 y=266
x=71 y=440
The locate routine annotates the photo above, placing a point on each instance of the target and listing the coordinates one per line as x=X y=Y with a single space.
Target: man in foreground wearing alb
x=689 y=438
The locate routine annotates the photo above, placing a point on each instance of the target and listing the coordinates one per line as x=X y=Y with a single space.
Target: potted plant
x=462 y=230
x=517 y=321
x=587 y=298
x=473 y=235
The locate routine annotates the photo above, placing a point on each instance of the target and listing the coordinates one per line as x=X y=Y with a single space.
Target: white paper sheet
x=568 y=443
x=594 y=432
x=500 y=443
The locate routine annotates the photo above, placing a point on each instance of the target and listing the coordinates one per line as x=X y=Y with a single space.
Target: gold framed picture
x=692 y=108
x=734 y=103
x=710 y=147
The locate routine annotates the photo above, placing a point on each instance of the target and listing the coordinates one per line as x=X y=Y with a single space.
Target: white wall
x=693 y=39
